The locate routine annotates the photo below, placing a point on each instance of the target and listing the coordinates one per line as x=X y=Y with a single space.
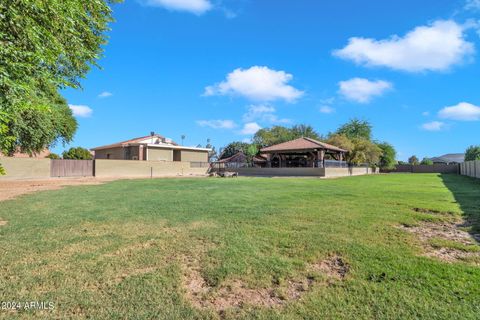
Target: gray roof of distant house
x=450 y=157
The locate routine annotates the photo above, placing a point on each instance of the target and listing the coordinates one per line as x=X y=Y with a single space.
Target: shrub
x=2 y=171
x=53 y=156
x=427 y=161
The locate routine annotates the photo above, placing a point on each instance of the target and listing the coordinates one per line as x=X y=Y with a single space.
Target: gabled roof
x=450 y=157
x=133 y=141
x=302 y=144
x=237 y=156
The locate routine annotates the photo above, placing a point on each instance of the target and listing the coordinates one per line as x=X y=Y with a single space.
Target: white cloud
x=258 y=84
x=463 y=111
x=425 y=113
x=81 y=111
x=105 y=94
x=250 y=128
x=194 y=6
x=472 y=5
x=326 y=109
x=435 y=47
x=217 y=124
x=433 y=126
x=363 y=90
x=263 y=112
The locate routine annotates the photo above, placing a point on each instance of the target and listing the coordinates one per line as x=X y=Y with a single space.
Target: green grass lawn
x=125 y=249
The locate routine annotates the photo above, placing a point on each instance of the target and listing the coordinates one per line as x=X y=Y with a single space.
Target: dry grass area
x=447 y=241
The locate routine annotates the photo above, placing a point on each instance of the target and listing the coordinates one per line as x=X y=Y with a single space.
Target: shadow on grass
x=466 y=192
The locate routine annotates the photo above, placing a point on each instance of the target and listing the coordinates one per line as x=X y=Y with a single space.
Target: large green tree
x=233 y=148
x=356 y=129
x=45 y=46
x=388 y=156
x=472 y=153
x=360 y=151
x=278 y=134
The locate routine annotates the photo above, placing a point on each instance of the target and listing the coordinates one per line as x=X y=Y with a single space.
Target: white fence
x=470 y=168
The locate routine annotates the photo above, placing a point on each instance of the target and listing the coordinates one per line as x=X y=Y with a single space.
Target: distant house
x=450 y=158
x=151 y=148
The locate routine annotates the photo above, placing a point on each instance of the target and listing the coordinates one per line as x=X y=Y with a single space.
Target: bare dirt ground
x=10 y=189
x=453 y=234
x=234 y=294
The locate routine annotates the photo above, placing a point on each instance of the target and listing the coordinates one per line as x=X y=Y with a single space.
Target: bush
x=78 y=153
x=427 y=161
x=472 y=153
x=53 y=156
x=2 y=171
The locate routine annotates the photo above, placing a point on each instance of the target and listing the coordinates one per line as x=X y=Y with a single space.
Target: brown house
x=151 y=148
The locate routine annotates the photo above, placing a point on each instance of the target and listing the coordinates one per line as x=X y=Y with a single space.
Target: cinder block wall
x=25 y=168
x=144 y=169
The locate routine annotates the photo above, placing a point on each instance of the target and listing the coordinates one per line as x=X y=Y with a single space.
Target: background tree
x=212 y=154
x=413 y=160
x=252 y=151
x=278 y=134
x=472 y=153
x=426 y=161
x=388 y=157
x=303 y=130
x=45 y=46
x=234 y=148
x=341 y=141
x=53 y=156
x=364 y=152
x=360 y=151
x=77 y=153
x=356 y=129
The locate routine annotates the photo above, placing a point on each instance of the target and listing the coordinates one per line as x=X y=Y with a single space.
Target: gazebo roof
x=302 y=144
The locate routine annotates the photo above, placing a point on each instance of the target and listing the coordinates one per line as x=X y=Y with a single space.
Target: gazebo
x=302 y=152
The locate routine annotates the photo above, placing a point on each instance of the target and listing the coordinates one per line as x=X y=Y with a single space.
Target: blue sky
x=222 y=69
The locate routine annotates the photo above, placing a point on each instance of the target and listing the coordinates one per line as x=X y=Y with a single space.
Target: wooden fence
x=72 y=168
x=470 y=168
x=435 y=168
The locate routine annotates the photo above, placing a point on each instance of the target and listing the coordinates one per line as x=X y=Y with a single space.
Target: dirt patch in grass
x=447 y=241
x=14 y=188
x=334 y=267
x=235 y=294
x=3 y=223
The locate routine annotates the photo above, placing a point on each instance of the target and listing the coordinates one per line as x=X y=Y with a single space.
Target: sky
x=222 y=69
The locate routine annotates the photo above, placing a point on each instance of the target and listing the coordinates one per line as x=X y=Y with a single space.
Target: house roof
x=302 y=144
x=450 y=157
x=135 y=140
x=237 y=155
